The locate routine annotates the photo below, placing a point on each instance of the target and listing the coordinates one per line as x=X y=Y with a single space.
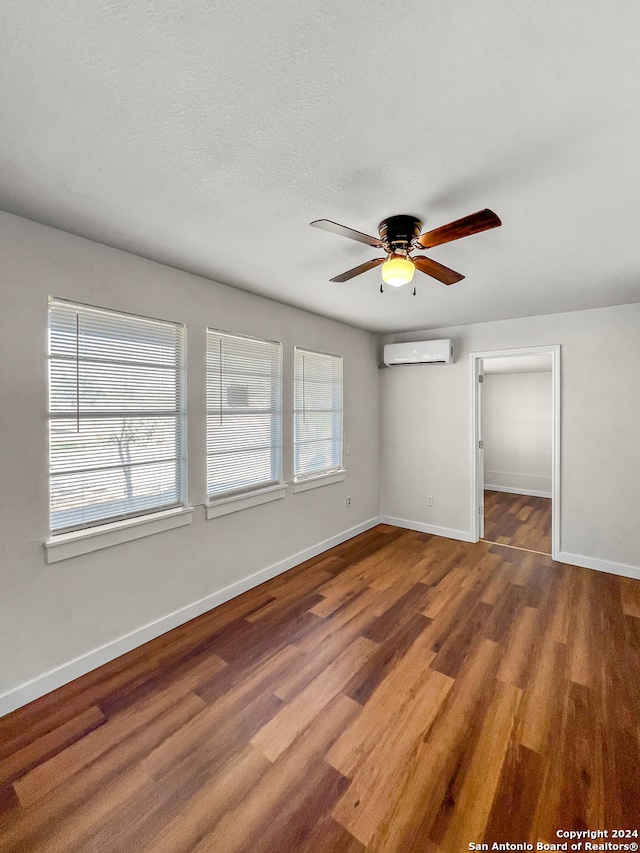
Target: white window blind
x=244 y=413
x=117 y=415
x=317 y=413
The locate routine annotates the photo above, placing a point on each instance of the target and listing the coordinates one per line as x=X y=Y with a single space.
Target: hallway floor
x=518 y=520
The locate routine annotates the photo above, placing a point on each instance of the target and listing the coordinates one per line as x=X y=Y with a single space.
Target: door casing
x=477 y=467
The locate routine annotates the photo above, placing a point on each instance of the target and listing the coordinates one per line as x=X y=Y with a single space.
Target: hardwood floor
x=518 y=520
x=401 y=692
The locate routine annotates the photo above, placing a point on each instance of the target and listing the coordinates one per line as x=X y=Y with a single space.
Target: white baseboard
x=447 y=532
x=30 y=690
x=534 y=493
x=599 y=565
x=519 y=484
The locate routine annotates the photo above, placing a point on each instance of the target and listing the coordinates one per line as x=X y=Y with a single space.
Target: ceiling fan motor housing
x=398 y=232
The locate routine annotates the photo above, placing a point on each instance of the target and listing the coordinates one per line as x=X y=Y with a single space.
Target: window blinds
x=244 y=413
x=117 y=415
x=317 y=413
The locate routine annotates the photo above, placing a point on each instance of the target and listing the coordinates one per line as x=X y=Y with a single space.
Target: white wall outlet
x=348 y=502
x=429 y=500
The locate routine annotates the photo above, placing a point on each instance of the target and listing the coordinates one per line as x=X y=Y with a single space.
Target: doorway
x=516 y=443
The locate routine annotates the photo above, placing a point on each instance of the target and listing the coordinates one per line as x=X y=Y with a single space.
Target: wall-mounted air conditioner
x=419 y=352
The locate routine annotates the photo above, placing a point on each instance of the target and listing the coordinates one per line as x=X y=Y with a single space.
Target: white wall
x=426 y=431
x=52 y=614
x=517 y=432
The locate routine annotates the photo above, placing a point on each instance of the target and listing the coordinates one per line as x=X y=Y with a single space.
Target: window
x=244 y=414
x=317 y=413
x=117 y=416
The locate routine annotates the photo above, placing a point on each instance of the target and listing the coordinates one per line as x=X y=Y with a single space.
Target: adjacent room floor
x=521 y=521
x=401 y=692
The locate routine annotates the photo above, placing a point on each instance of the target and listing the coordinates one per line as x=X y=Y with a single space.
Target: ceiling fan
x=400 y=235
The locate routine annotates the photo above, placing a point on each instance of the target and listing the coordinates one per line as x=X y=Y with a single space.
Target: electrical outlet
x=348 y=502
x=429 y=500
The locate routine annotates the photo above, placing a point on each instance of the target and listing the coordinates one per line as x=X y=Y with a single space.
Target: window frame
x=260 y=491
x=304 y=481
x=107 y=529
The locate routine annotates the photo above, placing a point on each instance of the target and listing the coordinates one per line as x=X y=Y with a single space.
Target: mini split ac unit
x=419 y=352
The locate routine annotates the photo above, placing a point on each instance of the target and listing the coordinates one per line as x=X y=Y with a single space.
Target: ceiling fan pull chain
x=414 y=291
x=381 y=289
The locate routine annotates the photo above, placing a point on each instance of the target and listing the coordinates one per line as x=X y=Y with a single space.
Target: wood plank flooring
x=401 y=692
x=521 y=521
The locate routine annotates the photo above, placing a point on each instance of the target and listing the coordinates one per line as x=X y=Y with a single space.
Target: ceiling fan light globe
x=397 y=271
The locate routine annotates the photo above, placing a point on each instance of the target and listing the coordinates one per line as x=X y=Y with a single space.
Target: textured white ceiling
x=207 y=135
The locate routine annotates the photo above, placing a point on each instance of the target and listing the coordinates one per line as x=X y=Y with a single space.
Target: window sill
x=319 y=480
x=224 y=506
x=66 y=545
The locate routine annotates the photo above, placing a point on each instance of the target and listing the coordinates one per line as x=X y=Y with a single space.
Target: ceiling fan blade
x=436 y=270
x=343 y=231
x=472 y=224
x=368 y=265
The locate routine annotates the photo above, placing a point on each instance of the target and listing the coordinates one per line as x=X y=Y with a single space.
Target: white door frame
x=477 y=491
